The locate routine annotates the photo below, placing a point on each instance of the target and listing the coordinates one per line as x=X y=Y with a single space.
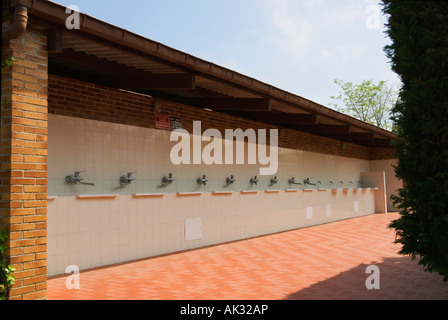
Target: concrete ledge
x=249 y=192
x=222 y=193
x=148 y=195
x=188 y=194
x=97 y=196
x=370 y=189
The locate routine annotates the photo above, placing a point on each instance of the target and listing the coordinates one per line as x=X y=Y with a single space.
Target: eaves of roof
x=99 y=31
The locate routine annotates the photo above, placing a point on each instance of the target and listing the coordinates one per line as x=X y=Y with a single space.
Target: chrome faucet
x=274 y=180
x=293 y=181
x=254 y=180
x=307 y=181
x=76 y=178
x=202 y=180
x=230 y=179
x=169 y=179
x=127 y=179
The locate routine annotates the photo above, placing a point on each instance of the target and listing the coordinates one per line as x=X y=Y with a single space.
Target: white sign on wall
x=193 y=229
x=309 y=213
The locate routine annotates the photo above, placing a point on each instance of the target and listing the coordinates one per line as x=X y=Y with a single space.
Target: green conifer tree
x=419 y=55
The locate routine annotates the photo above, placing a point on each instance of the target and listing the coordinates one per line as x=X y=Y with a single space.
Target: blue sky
x=300 y=46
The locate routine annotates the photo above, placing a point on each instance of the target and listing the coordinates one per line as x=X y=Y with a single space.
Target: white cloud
x=349 y=14
x=341 y=54
x=350 y=51
x=291 y=30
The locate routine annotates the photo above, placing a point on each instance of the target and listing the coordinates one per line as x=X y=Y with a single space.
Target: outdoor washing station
x=88 y=171
x=115 y=196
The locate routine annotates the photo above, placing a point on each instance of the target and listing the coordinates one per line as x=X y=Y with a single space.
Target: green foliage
x=367 y=101
x=6 y=271
x=6 y=64
x=419 y=55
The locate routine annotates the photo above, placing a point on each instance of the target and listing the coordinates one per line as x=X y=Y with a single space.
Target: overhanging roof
x=106 y=54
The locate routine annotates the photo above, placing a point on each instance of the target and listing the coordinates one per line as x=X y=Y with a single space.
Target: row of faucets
x=128 y=178
x=77 y=179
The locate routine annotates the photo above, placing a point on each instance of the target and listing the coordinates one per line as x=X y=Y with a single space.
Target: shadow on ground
x=400 y=278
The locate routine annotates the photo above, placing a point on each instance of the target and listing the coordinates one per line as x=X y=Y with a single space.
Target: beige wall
x=95 y=232
x=377 y=180
x=392 y=183
x=105 y=224
x=107 y=151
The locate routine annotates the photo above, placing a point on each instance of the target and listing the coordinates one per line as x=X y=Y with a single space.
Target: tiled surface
x=98 y=232
x=92 y=232
x=323 y=262
x=106 y=151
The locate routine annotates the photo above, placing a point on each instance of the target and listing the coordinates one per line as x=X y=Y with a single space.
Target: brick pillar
x=23 y=155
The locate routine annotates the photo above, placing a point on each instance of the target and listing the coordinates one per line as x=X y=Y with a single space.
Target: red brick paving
x=326 y=262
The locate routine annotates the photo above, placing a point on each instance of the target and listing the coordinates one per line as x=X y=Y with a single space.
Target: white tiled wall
x=392 y=183
x=90 y=232
x=106 y=151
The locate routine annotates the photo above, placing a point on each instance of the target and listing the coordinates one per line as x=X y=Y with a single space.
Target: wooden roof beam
x=356 y=137
x=282 y=118
x=230 y=104
x=382 y=142
x=128 y=78
x=179 y=81
x=325 y=129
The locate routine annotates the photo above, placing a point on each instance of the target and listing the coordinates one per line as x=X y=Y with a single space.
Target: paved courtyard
x=323 y=262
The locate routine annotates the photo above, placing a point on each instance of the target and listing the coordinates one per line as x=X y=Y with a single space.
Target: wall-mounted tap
x=167 y=180
x=351 y=182
x=293 y=181
x=202 y=180
x=230 y=179
x=76 y=178
x=341 y=182
x=274 y=180
x=307 y=181
x=254 y=180
x=127 y=179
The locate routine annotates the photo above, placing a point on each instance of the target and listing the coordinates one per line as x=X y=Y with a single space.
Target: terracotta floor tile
x=326 y=262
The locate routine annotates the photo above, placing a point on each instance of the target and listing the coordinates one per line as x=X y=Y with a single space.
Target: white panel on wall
x=309 y=213
x=356 y=207
x=193 y=229
x=328 y=210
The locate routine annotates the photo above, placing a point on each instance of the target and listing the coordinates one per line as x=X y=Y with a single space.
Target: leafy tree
x=367 y=101
x=419 y=55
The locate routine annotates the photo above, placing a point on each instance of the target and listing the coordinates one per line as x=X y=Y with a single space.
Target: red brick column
x=23 y=155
